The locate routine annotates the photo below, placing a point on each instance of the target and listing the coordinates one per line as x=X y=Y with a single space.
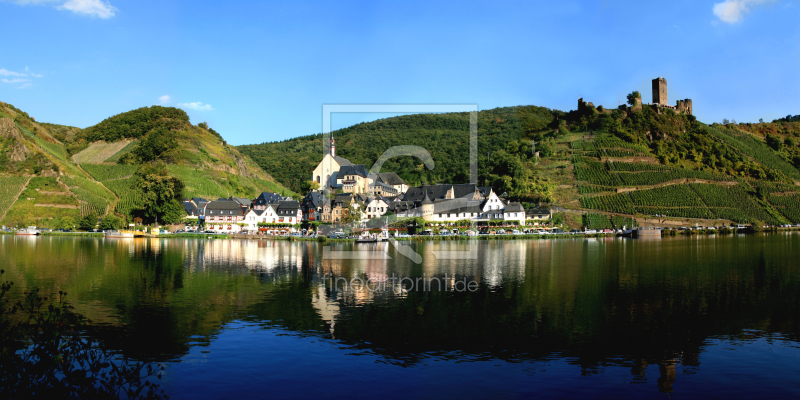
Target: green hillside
x=92 y=171
x=653 y=161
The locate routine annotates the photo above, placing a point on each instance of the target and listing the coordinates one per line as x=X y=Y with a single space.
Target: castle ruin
x=660 y=97
x=659 y=102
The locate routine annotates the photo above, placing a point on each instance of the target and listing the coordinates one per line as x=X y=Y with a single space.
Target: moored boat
x=29 y=231
x=118 y=234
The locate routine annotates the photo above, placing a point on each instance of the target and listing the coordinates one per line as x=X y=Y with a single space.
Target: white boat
x=29 y=231
x=118 y=234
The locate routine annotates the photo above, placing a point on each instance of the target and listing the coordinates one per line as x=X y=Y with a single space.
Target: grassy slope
x=200 y=155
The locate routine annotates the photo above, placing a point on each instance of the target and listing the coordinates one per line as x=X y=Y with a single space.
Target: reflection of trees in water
x=613 y=309
x=593 y=303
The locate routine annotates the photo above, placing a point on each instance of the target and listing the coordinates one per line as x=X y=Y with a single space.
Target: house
x=393 y=180
x=538 y=215
x=327 y=211
x=375 y=207
x=253 y=218
x=265 y=198
x=353 y=179
x=312 y=207
x=382 y=189
x=289 y=212
x=446 y=192
x=224 y=216
x=340 y=205
x=514 y=211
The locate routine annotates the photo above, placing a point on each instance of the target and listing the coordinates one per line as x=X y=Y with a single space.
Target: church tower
x=333 y=147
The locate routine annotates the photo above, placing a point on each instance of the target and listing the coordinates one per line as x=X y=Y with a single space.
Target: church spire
x=333 y=146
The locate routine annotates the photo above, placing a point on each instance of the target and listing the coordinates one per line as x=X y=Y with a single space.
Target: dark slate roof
x=244 y=202
x=457 y=206
x=514 y=207
x=224 y=207
x=427 y=199
x=198 y=200
x=360 y=170
x=537 y=211
x=313 y=200
x=288 y=207
x=342 y=199
x=399 y=205
x=417 y=193
x=257 y=212
x=342 y=161
x=267 y=197
x=386 y=186
x=390 y=178
x=189 y=207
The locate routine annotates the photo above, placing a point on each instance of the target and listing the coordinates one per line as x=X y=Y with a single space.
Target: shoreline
x=664 y=233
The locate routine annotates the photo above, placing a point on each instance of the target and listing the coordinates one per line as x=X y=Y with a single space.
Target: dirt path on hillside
x=57 y=206
x=2 y=217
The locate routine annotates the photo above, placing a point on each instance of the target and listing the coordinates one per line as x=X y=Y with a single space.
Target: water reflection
x=589 y=302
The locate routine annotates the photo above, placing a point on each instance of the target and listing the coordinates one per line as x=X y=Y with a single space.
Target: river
x=693 y=317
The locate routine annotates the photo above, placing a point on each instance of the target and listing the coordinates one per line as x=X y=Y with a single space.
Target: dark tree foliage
x=162 y=194
x=445 y=136
x=45 y=353
x=88 y=222
x=632 y=96
x=155 y=144
x=137 y=123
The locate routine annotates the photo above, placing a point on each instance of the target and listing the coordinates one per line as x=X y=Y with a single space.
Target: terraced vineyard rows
x=620 y=222
x=10 y=186
x=784 y=197
x=197 y=182
x=129 y=199
x=93 y=196
x=749 y=145
x=673 y=201
x=105 y=172
x=595 y=172
x=596 y=221
x=616 y=203
x=733 y=203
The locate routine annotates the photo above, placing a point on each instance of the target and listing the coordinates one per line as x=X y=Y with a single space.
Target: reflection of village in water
x=595 y=301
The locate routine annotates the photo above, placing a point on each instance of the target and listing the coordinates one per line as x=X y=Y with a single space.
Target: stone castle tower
x=660 y=91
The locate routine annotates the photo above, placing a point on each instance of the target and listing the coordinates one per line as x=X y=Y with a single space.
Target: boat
x=29 y=231
x=367 y=237
x=118 y=234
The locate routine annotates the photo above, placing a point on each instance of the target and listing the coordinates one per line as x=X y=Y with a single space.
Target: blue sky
x=260 y=71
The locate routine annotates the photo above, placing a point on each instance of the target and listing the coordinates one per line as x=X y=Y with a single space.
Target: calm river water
x=690 y=317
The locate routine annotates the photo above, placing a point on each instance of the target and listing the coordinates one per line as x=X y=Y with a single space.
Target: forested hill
x=52 y=173
x=589 y=158
x=445 y=136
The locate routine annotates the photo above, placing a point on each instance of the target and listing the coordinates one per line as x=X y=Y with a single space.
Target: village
x=345 y=188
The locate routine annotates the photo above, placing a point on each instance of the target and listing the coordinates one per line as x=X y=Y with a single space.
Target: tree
x=774 y=142
x=350 y=214
x=632 y=96
x=88 y=222
x=66 y=223
x=111 y=222
x=155 y=144
x=161 y=193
